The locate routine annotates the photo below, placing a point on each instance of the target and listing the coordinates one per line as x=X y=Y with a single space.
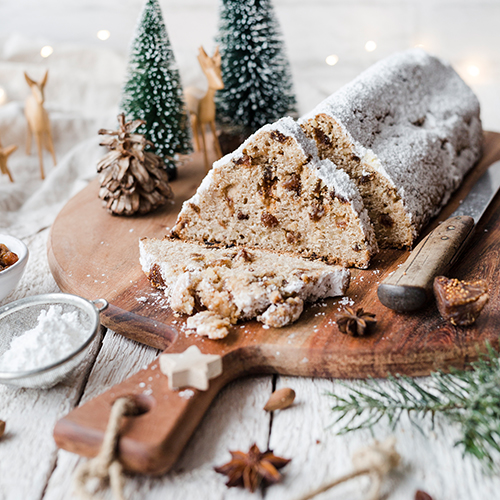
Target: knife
x=409 y=288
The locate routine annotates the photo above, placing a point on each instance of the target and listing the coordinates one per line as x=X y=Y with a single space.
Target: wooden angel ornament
x=38 y=120
x=201 y=105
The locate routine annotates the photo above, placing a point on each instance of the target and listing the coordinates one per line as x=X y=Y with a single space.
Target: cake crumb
x=209 y=324
x=284 y=313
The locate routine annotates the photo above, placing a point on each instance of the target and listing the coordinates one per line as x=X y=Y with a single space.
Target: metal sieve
x=21 y=315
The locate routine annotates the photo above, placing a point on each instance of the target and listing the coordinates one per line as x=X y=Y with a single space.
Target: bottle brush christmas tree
x=257 y=79
x=153 y=91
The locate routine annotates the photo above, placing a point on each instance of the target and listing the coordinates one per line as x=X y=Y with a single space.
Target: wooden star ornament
x=190 y=368
x=4 y=154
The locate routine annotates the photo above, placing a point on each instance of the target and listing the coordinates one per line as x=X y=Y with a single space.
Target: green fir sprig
x=468 y=398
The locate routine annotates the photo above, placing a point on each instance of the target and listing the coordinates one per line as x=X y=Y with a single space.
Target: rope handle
x=105 y=466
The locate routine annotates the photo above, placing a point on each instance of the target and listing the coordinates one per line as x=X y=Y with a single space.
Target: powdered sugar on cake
x=408 y=111
x=286 y=126
x=343 y=186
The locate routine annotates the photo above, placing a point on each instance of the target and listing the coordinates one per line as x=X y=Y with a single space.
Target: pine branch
x=468 y=398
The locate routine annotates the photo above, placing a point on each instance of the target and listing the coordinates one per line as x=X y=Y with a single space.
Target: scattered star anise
x=252 y=469
x=355 y=323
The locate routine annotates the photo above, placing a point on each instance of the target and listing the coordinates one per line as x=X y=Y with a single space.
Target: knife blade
x=409 y=288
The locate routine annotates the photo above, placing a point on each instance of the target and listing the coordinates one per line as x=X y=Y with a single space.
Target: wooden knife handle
x=150 y=442
x=409 y=288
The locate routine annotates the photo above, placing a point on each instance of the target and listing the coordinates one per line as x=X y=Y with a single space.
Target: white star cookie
x=190 y=368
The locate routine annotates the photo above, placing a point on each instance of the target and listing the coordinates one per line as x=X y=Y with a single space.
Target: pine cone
x=132 y=180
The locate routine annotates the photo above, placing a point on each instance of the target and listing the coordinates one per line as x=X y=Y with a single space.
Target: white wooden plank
x=234 y=421
x=429 y=460
x=118 y=359
x=27 y=450
x=318 y=455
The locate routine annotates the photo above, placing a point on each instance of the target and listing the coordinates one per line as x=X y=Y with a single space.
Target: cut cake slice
x=274 y=193
x=224 y=285
x=406 y=130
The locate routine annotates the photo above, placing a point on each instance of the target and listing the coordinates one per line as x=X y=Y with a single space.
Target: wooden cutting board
x=94 y=255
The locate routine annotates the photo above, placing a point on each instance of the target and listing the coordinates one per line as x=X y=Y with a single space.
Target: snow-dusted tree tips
x=153 y=91
x=255 y=71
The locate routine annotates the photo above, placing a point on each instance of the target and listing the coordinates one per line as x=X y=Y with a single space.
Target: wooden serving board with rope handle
x=94 y=254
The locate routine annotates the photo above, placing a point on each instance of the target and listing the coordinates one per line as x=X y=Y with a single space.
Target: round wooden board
x=95 y=254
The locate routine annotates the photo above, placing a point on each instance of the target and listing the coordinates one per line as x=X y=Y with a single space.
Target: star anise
x=355 y=323
x=253 y=468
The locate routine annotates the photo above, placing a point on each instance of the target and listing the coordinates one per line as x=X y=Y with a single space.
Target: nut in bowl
x=45 y=337
x=10 y=276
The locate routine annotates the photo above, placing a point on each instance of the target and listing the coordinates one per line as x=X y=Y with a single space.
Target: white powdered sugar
x=413 y=120
x=344 y=186
x=337 y=179
x=286 y=126
x=55 y=336
x=186 y=394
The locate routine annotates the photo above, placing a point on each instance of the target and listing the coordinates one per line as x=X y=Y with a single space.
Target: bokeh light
x=46 y=51
x=103 y=34
x=332 y=60
x=370 y=46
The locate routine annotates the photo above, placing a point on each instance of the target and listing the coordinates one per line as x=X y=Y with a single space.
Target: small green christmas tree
x=257 y=79
x=153 y=91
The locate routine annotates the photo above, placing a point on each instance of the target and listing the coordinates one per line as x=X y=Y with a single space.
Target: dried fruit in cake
x=274 y=193
x=460 y=302
x=221 y=286
x=406 y=130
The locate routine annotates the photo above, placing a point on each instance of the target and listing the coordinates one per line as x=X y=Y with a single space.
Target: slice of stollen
x=274 y=193
x=406 y=130
x=221 y=286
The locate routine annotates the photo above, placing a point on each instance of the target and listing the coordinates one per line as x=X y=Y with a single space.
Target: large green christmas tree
x=153 y=91
x=257 y=79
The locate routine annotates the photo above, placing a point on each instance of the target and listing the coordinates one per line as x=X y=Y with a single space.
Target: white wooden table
x=32 y=468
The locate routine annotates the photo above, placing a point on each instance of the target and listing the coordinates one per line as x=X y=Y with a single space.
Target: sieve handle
x=104 y=304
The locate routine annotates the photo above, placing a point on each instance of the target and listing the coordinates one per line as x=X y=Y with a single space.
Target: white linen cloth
x=81 y=96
